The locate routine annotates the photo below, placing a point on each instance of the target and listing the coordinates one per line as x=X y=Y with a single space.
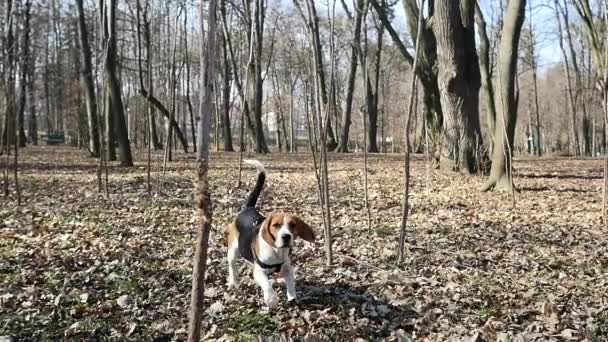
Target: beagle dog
x=265 y=243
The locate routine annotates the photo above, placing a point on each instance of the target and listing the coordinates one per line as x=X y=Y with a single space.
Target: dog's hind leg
x=233 y=254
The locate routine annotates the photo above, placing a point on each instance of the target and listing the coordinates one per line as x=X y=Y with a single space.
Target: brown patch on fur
x=300 y=229
x=270 y=227
x=231 y=234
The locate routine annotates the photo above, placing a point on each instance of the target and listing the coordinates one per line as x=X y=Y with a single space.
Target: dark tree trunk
x=352 y=74
x=259 y=14
x=153 y=139
x=24 y=66
x=427 y=57
x=87 y=80
x=485 y=70
x=237 y=80
x=373 y=96
x=459 y=83
x=33 y=121
x=226 y=89
x=312 y=22
x=114 y=107
x=188 y=100
x=318 y=52
x=8 y=136
x=148 y=94
x=202 y=194
x=500 y=173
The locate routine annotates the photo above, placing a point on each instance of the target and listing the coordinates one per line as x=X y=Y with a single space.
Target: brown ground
x=75 y=264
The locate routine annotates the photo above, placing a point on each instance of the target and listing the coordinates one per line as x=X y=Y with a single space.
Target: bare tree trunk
x=500 y=173
x=203 y=196
x=241 y=89
x=531 y=55
x=570 y=93
x=255 y=69
x=8 y=135
x=427 y=59
x=173 y=84
x=579 y=97
x=24 y=65
x=293 y=139
x=485 y=71
x=87 y=80
x=352 y=74
x=373 y=95
x=148 y=94
x=188 y=100
x=226 y=89
x=406 y=165
x=364 y=68
x=459 y=83
x=114 y=108
x=312 y=23
x=33 y=121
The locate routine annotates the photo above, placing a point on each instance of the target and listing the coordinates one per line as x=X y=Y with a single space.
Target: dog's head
x=280 y=230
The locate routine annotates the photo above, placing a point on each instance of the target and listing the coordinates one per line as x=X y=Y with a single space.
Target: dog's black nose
x=286 y=238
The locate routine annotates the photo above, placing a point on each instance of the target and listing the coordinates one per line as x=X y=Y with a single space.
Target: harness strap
x=275 y=267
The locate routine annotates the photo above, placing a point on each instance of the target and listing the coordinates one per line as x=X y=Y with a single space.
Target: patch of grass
x=248 y=326
x=127 y=285
x=384 y=231
x=601 y=328
x=11 y=277
x=485 y=312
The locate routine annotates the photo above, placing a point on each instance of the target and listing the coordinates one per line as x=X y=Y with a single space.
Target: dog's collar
x=276 y=268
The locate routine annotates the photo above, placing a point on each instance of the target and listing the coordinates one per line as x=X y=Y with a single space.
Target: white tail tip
x=257 y=164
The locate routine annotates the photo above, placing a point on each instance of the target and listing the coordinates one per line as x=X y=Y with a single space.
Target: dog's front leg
x=233 y=254
x=290 y=282
x=270 y=296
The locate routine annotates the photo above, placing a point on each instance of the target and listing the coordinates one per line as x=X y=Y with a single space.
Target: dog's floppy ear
x=302 y=230
x=265 y=230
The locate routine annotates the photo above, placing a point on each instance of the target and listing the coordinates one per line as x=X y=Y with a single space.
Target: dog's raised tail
x=252 y=199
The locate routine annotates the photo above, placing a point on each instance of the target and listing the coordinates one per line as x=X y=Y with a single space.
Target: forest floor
x=77 y=265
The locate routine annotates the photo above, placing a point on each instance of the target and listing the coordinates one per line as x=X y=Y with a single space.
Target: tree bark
x=237 y=80
x=459 y=83
x=427 y=57
x=25 y=64
x=500 y=172
x=311 y=21
x=188 y=100
x=86 y=75
x=114 y=106
x=8 y=136
x=566 y=65
x=255 y=70
x=226 y=89
x=373 y=95
x=350 y=83
x=485 y=71
x=33 y=121
x=203 y=196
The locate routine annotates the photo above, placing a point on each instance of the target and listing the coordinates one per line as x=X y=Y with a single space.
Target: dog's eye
x=276 y=225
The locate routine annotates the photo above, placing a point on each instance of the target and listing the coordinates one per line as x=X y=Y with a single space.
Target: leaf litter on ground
x=76 y=265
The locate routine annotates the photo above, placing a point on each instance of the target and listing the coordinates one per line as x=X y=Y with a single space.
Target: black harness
x=273 y=268
x=249 y=222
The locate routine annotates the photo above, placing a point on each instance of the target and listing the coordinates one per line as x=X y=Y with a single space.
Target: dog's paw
x=272 y=300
